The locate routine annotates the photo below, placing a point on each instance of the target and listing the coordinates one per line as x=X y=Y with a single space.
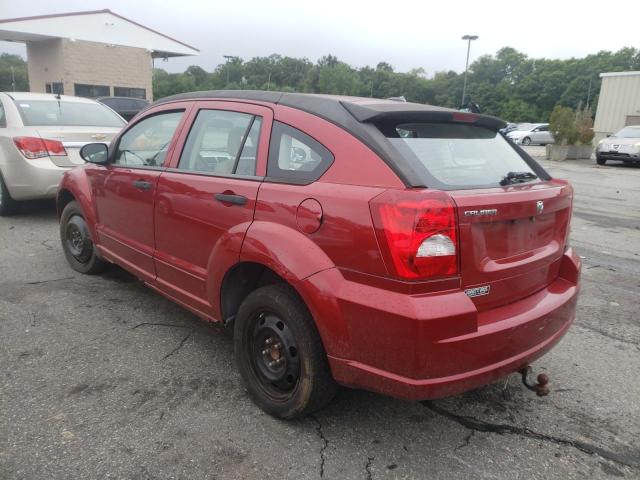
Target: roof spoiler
x=413 y=112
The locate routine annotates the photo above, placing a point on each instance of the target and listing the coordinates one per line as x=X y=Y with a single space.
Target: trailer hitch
x=541 y=388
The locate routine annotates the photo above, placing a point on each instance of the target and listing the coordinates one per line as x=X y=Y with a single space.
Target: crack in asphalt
x=182 y=342
x=606 y=334
x=158 y=325
x=39 y=282
x=325 y=444
x=626 y=459
x=467 y=440
x=367 y=467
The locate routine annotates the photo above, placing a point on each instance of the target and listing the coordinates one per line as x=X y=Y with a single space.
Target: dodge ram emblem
x=539 y=206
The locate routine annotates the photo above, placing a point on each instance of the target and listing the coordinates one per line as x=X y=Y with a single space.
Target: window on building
x=130 y=92
x=55 y=87
x=222 y=143
x=91 y=91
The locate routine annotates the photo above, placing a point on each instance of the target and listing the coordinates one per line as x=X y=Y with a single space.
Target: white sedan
x=40 y=138
x=533 y=134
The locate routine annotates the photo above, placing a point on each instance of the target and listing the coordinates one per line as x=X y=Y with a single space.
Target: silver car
x=40 y=138
x=623 y=145
x=533 y=134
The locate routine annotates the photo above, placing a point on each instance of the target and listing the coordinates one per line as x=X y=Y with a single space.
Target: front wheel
x=280 y=355
x=76 y=242
x=600 y=161
x=526 y=141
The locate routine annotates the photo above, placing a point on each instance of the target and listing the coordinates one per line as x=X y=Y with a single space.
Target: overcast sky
x=407 y=34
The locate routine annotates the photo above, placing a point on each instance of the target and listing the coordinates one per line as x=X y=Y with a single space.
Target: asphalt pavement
x=102 y=378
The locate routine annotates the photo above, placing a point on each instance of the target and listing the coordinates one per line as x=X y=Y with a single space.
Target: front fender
x=77 y=183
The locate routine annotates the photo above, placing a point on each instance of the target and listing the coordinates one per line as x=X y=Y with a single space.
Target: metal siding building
x=91 y=54
x=618 y=104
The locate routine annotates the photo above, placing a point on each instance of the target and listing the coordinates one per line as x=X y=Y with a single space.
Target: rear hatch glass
x=452 y=156
x=513 y=220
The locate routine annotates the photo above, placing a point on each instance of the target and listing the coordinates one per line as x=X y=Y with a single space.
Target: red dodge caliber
x=401 y=248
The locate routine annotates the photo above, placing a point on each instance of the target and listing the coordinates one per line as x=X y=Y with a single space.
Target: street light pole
x=13 y=78
x=466 y=67
x=228 y=57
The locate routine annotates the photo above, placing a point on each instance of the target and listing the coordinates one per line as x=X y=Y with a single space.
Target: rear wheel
x=76 y=242
x=600 y=161
x=526 y=141
x=8 y=206
x=280 y=355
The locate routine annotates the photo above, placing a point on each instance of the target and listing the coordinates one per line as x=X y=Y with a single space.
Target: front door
x=124 y=191
x=208 y=195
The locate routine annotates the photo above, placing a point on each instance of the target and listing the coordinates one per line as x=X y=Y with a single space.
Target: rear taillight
x=35 y=147
x=417 y=233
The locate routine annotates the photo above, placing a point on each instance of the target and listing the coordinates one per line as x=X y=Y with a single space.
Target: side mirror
x=97 y=153
x=608 y=135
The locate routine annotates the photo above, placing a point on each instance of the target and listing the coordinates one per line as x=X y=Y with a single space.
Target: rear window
x=53 y=112
x=451 y=156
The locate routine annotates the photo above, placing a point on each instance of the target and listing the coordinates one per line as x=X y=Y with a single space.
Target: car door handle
x=231 y=198
x=142 y=185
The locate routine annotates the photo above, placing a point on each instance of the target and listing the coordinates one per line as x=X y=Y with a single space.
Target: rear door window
x=222 y=143
x=296 y=157
x=456 y=156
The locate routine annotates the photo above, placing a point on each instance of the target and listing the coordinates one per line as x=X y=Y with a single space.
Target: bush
x=562 y=125
x=584 y=126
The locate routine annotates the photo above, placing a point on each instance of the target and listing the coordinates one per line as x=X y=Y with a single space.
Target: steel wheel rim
x=274 y=356
x=77 y=239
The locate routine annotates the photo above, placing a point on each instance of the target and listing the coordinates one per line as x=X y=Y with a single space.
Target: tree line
x=509 y=84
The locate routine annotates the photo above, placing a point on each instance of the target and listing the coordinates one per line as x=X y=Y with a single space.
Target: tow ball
x=541 y=388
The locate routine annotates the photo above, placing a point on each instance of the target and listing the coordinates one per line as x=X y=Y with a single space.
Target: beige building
x=91 y=54
x=618 y=104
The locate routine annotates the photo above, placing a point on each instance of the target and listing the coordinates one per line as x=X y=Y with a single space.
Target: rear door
x=124 y=191
x=210 y=190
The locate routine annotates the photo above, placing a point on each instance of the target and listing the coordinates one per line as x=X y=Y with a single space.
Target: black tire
x=274 y=326
x=601 y=161
x=8 y=206
x=76 y=242
x=526 y=141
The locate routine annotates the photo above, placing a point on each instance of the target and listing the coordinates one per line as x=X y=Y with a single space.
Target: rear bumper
x=439 y=345
x=32 y=179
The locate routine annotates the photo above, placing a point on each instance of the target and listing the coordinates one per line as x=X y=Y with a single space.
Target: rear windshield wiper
x=517 y=177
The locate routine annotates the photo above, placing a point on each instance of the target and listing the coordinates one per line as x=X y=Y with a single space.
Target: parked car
x=623 y=145
x=537 y=134
x=40 y=139
x=126 y=107
x=509 y=127
x=396 y=247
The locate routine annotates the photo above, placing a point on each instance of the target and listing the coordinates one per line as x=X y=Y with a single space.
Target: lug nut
x=265 y=351
x=268 y=341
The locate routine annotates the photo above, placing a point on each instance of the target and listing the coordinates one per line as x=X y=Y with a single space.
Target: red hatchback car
x=401 y=248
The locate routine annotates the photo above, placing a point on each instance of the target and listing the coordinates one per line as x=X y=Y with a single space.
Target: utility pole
x=589 y=93
x=468 y=38
x=13 y=78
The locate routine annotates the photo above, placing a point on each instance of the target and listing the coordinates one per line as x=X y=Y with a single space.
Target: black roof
x=357 y=115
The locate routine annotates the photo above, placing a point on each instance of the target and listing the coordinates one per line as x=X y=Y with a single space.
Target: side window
x=544 y=128
x=295 y=156
x=147 y=142
x=222 y=143
x=3 y=120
